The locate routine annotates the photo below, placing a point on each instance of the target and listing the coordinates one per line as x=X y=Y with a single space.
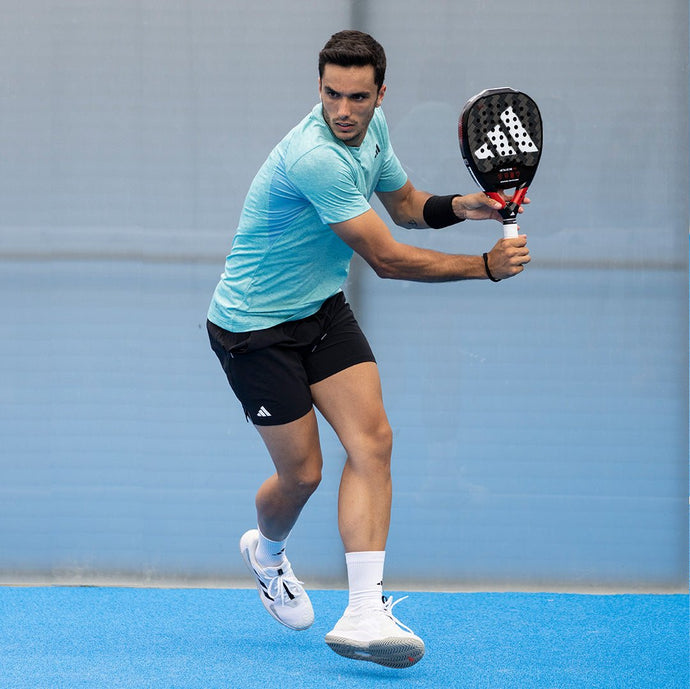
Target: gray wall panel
x=540 y=424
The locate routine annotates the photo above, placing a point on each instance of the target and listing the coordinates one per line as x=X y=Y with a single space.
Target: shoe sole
x=390 y=652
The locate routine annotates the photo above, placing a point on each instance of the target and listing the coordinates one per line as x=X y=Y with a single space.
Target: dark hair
x=354 y=49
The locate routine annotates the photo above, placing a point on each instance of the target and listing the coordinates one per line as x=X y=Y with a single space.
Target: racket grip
x=510 y=230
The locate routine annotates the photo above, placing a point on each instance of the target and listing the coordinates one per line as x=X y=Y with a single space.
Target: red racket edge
x=510 y=209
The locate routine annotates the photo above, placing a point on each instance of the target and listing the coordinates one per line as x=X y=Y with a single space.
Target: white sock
x=365 y=578
x=270 y=553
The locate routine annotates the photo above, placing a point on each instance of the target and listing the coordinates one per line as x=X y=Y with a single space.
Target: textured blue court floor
x=106 y=638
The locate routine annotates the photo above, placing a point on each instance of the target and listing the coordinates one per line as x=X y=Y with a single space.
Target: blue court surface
x=78 y=637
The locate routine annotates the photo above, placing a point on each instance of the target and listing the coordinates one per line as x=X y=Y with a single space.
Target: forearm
x=426 y=210
x=406 y=206
x=368 y=235
x=425 y=265
x=409 y=213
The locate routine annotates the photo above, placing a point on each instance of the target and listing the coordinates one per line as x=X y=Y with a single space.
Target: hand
x=479 y=206
x=508 y=257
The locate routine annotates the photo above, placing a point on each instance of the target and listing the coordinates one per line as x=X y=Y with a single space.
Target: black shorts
x=270 y=370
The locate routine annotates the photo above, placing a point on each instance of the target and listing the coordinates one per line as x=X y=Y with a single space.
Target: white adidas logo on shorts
x=263 y=412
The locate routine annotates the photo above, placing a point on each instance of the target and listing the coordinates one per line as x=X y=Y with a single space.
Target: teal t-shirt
x=285 y=259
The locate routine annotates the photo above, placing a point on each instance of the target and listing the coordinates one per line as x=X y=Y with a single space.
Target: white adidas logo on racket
x=498 y=140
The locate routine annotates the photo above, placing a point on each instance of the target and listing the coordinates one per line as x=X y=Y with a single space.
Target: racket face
x=500 y=133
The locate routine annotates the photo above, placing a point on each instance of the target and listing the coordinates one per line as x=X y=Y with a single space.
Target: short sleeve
x=328 y=182
x=393 y=176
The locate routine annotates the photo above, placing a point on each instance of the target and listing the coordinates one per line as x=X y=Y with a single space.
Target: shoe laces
x=282 y=583
x=388 y=605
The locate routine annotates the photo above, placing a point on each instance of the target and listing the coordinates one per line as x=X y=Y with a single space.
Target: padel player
x=288 y=341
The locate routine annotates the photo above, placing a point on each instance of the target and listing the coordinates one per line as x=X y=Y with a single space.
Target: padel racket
x=500 y=133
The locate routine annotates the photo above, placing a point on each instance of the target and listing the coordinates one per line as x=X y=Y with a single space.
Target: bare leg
x=352 y=403
x=294 y=448
x=296 y=453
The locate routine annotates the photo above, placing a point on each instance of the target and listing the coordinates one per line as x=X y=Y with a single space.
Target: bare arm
x=406 y=206
x=369 y=236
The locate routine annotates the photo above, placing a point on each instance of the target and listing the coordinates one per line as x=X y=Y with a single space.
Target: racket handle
x=510 y=230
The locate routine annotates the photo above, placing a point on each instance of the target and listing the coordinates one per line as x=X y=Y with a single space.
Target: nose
x=343 y=109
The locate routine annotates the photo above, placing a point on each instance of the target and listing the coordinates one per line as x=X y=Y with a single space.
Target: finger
x=524 y=202
x=519 y=241
x=493 y=203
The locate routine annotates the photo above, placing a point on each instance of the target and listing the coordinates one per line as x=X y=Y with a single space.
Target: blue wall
x=540 y=430
x=541 y=424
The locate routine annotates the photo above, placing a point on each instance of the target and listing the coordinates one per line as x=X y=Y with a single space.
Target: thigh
x=294 y=447
x=352 y=403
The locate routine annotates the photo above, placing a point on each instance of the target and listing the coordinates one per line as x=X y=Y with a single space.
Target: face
x=349 y=96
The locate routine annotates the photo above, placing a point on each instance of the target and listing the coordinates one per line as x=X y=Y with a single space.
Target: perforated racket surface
x=500 y=133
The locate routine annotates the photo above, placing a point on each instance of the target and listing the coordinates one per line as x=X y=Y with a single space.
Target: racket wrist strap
x=438 y=211
x=485 y=256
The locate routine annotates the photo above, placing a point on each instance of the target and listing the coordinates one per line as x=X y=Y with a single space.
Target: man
x=288 y=340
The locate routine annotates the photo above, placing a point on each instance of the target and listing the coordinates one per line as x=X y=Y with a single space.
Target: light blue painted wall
x=541 y=435
x=540 y=429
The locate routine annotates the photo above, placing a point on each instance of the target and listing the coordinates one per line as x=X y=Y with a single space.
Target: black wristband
x=438 y=211
x=486 y=267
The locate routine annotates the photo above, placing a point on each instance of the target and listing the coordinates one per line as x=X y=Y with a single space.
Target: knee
x=308 y=482
x=303 y=483
x=374 y=447
x=384 y=441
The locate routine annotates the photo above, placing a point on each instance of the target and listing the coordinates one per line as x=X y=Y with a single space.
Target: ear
x=381 y=94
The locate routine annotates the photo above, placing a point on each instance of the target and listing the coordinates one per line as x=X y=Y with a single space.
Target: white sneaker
x=279 y=589
x=376 y=636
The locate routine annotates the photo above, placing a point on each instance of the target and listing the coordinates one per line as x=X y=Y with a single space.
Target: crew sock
x=365 y=579
x=270 y=553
